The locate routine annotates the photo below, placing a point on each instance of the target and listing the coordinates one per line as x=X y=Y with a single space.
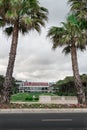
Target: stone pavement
x=42 y=110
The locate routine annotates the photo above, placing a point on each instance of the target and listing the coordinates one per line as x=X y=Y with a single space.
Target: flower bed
x=16 y=105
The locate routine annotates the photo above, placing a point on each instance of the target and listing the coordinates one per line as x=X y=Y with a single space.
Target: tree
x=66 y=87
x=23 y=16
x=72 y=38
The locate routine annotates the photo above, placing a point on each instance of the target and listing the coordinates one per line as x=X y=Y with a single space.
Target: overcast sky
x=36 y=61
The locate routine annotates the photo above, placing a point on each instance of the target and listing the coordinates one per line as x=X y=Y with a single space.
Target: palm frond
x=23 y=29
x=4 y=5
x=56 y=34
x=2 y=22
x=11 y=16
x=8 y=30
x=26 y=21
x=66 y=50
x=37 y=28
x=72 y=19
x=79 y=7
x=81 y=47
x=45 y=10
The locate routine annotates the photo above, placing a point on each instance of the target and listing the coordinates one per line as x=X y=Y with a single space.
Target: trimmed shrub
x=28 y=99
x=36 y=98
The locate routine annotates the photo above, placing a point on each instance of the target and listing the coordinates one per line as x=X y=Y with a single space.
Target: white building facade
x=26 y=86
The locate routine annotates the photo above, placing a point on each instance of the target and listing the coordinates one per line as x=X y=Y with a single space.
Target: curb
x=69 y=110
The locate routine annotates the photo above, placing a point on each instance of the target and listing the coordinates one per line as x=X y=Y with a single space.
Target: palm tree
x=23 y=16
x=72 y=38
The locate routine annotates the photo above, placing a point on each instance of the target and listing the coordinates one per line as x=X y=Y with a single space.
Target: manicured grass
x=28 y=96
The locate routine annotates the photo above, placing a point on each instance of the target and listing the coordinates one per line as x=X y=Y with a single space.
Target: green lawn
x=28 y=96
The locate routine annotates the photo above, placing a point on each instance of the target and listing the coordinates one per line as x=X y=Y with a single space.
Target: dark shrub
x=36 y=98
x=28 y=99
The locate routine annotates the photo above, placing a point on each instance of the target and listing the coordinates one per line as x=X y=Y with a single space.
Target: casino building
x=25 y=86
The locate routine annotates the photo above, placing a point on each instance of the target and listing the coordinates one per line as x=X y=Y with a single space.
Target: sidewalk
x=42 y=110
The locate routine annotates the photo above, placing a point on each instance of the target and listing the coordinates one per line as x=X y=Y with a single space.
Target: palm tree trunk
x=77 y=79
x=5 y=96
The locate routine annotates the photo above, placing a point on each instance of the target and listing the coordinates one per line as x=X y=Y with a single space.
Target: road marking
x=44 y=120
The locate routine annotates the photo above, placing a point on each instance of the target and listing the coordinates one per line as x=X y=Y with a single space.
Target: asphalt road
x=43 y=121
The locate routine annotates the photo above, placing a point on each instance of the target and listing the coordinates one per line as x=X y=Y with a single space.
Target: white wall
x=58 y=99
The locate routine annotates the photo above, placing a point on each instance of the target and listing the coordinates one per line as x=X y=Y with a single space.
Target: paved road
x=43 y=121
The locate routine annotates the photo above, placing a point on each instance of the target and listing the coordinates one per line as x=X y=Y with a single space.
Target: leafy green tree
x=66 y=87
x=23 y=16
x=71 y=37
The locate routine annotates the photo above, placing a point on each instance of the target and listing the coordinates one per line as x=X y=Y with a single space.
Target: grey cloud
x=57 y=10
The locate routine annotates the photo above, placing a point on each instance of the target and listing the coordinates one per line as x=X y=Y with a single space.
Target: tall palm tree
x=72 y=38
x=23 y=16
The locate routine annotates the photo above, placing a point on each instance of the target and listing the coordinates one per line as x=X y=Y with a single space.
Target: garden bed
x=19 y=106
